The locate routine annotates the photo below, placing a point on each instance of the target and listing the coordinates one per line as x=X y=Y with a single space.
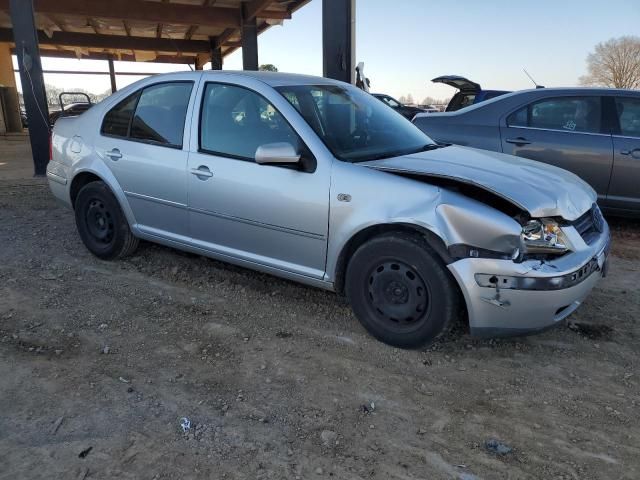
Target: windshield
x=391 y=102
x=353 y=124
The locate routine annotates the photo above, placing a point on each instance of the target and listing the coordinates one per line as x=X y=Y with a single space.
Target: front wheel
x=401 y=291
x=101 y=224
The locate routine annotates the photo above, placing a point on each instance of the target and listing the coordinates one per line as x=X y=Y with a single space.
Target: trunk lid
x=456 y=81
x=540 y=189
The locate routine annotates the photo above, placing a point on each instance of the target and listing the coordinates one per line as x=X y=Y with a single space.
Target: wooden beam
x=92 y=72
x=275 y=15
x=106 y=56
x=254 y=8
x=224 y=37
x=115 y=42
x=189 y=33
x=140 y=10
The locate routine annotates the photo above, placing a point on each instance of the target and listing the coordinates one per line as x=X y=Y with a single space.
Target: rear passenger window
x=569 y=114
x=629 y=116
x=161 y=112
x=156 y=114
x=116 y=122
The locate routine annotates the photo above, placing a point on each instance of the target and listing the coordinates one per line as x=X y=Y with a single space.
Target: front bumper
x=505 y=298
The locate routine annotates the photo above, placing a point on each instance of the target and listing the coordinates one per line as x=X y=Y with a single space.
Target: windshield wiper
x=400 y=153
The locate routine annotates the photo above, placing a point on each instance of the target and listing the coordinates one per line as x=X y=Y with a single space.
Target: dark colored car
x=406 y=111
x=70 y=110
x=592 y=132
x=469 y=93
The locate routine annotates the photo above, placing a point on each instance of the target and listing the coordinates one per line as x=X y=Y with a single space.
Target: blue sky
x=406 y=43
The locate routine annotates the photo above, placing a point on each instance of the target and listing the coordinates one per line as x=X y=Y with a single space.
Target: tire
x=401 y=291
x=101 y=224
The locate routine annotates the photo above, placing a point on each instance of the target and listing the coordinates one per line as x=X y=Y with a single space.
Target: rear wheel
x=401 y=291
x=101 y=224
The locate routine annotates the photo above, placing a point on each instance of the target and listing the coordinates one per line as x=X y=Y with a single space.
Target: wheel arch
x=364 y=235
x=79 y=181
x=94 y=173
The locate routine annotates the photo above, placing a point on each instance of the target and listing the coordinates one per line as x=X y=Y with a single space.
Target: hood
x=461 y=83
x=540 y=189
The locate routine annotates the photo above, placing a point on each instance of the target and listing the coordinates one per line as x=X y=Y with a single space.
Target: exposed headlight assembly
x=544 y=236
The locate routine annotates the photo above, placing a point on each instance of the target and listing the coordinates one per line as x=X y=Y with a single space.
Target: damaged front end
x=544 y=281
x=519 y=274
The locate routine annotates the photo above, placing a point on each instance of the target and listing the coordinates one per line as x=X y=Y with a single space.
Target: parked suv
x=316 y=181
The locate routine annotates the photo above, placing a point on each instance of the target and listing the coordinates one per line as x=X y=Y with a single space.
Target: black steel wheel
x=398 y=294
x=401 y=291
x=101 y=224
x=99 y=221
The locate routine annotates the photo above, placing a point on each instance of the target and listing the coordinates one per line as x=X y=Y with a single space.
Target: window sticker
x=570 y=125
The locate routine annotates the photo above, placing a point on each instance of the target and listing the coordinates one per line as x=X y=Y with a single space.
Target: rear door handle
x=518 y=141
x=114 y=154
x=202 y=172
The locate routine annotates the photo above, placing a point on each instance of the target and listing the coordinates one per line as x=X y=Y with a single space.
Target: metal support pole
x=35 y=98
x=112 y=76
x=338 y=39
x=216 y=54
x=249 y=44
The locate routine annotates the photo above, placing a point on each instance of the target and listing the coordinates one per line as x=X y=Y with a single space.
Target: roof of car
x=577 y=90
x=276 y=79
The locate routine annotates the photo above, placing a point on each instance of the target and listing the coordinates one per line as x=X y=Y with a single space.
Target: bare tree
x=434 y=101
x=614 y=63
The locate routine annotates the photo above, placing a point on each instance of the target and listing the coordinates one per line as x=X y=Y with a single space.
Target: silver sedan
x=316 y=181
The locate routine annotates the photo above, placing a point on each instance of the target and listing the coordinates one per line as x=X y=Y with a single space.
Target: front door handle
x=635 y=153
x=518 y=141
x=202 y=172
x=114 y=154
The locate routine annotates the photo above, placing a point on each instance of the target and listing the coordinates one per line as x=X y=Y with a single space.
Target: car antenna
x=531 y=78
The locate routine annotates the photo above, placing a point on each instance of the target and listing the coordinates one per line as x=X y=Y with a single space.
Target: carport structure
x=193 y=32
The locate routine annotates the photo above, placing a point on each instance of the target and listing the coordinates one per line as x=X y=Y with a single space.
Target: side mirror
x=277 y=153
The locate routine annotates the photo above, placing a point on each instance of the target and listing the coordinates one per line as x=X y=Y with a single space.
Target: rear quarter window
x=116 y=121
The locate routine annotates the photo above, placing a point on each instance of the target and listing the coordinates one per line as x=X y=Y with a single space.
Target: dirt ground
x=100 y=361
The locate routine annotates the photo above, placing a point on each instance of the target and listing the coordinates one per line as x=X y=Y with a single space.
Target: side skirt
x=313 y=282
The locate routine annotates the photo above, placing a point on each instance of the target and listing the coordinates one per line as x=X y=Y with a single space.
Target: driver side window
x=235 y=121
